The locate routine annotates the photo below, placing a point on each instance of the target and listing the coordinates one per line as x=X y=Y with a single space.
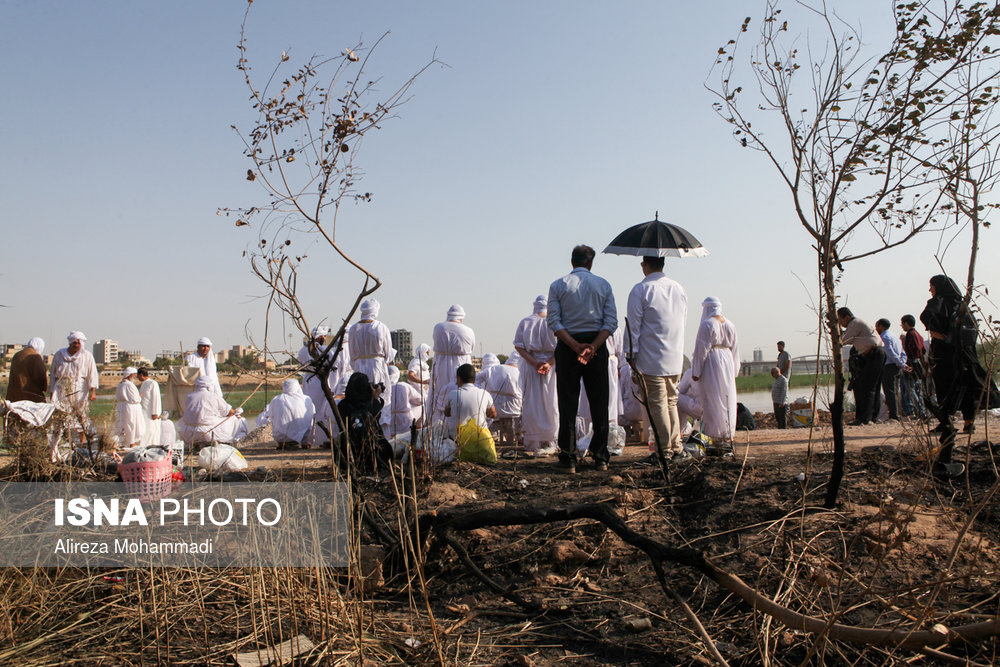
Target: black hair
x=884 y=323
x=582 y=256
x=466 y=373
x=845 y=312
x=655 y=263
x=908 y=320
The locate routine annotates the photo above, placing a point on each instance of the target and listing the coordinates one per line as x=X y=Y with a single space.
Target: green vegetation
x=763 y=381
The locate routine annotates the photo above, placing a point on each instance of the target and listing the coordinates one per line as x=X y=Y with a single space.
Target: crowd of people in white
x=519 y=399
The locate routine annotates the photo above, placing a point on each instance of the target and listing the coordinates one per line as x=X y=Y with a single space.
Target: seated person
x=467 y=401
x=208 y=418
x=688 y=402
x=364 y=442
x=290 y=415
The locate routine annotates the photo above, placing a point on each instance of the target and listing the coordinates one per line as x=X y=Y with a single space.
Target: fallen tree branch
x=463 y=555
x=696 y=622
x=658 y=553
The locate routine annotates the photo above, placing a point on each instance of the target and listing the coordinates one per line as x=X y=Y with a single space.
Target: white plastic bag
x=616 y=440
x=221 y=458
x=441 y=451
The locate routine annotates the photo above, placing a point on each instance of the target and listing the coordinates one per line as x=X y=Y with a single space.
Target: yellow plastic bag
x=475 y=444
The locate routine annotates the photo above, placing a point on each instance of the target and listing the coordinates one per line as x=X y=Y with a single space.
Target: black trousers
x=890 y=387
x=569 y=372
x=779 y=413
x=866 y=384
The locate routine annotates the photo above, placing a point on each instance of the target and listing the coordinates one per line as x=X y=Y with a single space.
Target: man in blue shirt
x=894 y=361
x=582 y=315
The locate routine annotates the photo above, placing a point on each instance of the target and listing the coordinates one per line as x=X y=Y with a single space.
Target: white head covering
x=423 y=352
x=36 y=344
x=370 y=309
x=710 y=307
x=291 y=386
x=490 y=360
x=202 y=383
x=540 y=305
x=513 y=359
x=393 y=374
x=456 y=312
x=204 y=340
x=320 y=331
x=76 y=335
x=128 y=372
x=164 y=415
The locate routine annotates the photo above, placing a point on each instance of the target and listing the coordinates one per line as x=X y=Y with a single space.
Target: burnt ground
x=902 y=550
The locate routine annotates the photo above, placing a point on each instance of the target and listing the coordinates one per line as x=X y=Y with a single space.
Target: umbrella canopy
x=656 y=239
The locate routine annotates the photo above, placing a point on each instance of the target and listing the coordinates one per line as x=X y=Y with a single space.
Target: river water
x=760 y=401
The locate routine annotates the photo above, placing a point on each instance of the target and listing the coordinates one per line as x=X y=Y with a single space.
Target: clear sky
x=554 y=123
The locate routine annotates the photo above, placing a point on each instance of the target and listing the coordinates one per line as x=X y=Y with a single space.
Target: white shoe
x=547 y=451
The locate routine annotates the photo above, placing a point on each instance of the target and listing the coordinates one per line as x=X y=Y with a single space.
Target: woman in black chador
x=959 y=378
x=361 y=408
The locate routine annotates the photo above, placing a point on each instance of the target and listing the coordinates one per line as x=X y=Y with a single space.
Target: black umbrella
x=656 y=239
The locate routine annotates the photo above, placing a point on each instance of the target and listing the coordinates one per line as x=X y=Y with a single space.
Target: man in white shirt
x=204 y=359
x=657 y=309
x=467 y=401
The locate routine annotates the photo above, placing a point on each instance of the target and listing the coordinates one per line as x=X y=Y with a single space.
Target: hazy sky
x=553 y=123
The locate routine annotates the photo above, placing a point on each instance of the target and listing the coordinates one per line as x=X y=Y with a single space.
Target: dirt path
x=260 y=449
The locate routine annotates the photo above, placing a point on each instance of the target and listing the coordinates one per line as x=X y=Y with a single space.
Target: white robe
x=406 y=408
x=489 y=361
x=423 y=372
x=632 y=408
x=168 y=433
x=688 y=401
x=152 y=406
x=290 y=413
x=130 y=423
x=453 y=345
x=206 y=419
x=716 y=362
x=503 y=383
x=540 y=404
x=207 y=366
x=313 y=388
x=70 y=380
x=371 y=354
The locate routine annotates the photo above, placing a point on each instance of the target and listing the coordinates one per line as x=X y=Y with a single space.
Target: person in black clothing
x=361 y=408
x=960 y=381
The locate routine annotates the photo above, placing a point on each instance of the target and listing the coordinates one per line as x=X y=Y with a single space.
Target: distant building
x=240 y=351
x=758 y=354
x=222 y=356
x=106 y=351
x=402 y=340
x=130 y=357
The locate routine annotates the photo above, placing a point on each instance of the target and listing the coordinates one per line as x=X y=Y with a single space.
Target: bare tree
x=303 y=149
x=856 y=141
